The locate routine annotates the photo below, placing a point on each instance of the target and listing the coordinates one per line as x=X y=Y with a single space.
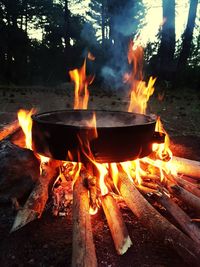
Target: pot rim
x=37 y=118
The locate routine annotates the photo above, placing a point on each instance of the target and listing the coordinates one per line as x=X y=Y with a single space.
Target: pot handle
x=158 y=138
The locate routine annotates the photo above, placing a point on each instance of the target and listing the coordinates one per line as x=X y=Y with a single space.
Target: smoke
x=125 y=19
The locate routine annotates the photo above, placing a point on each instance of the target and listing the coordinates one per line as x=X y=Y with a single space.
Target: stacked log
x=83 y=253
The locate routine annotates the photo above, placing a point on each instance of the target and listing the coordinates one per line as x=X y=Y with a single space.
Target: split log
x=188 y=186
x=158 y=225
x=83 y=254
x=146 y=190
x=9 y=129
x=180 y=216
x=191 y=180
x=19 y=170
x=187 y=167
x=91 y=184
x=150 y=185
x=185 y=196
x=116 y=224
x=36 y=202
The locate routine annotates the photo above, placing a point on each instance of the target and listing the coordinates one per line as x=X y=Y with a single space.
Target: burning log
x=194 y=189
x=187 y=197
x=36 y=202
x=158 y=225
x=91 y=183
x=19 y=170
x=187 y=167
x=83 y=247
x=9 y=129
x=146 y=190
x=180 y=216
x=116 y=224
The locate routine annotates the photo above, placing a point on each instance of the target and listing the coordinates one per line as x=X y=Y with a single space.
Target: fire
x=140 y=92
x=25 y=121
x=157 y=165
x=162 y=150
x=81 y=81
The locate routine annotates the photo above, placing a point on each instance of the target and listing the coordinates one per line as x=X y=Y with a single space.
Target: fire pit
x=121 y=136
x=101 y=158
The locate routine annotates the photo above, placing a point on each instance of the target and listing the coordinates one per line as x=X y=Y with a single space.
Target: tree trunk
x=67 y=52
x=167 y=46
x=187 y=35
x=66 y=26
x=103 y=22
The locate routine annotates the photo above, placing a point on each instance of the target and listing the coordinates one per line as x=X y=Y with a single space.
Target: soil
x=48 y=241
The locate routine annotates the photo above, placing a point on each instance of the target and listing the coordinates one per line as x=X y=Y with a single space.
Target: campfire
x=92 y=159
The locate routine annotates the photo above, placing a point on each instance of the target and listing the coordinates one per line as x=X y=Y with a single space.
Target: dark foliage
x=65 y=39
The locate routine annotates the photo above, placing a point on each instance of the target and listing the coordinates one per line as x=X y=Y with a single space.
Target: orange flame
x=25 y=121
x=162 y=150
x=81 y=93
x=140 y=92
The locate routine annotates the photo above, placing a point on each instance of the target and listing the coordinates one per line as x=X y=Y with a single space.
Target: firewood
x=188 y=186
x=146 y=190
x=116 y=224
x=160 y=227
x=36 y=202
x=91 y=183
x=19 y=170
x=83 y=254
x=187 y=167
x=191 y=180
x=185 y=196
x=180 y=216
x=150 y=185
x=8 y=130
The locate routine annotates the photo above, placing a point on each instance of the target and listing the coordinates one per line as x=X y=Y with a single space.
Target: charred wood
x=36 y=202
x=194 y=189
x=9 y=129
x=19 y=170
x=91 y=184
x=180 y=216
x=185 y=196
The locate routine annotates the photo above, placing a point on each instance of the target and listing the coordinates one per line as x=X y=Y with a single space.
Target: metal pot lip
x=37 y=118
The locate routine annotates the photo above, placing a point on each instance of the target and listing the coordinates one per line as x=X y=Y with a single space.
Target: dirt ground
x=48 y=242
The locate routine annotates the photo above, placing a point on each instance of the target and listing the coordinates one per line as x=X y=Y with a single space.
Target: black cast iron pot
x=122 y=136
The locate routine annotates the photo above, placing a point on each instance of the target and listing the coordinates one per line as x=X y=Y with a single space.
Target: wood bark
x=116 y=224
x=191 y=229
x=185 y=196
x=9 y=130
x=193 y=188
x=158 y=225
x=19 y=170
x=36 y=202
x=187 y=167
x=83 y=254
